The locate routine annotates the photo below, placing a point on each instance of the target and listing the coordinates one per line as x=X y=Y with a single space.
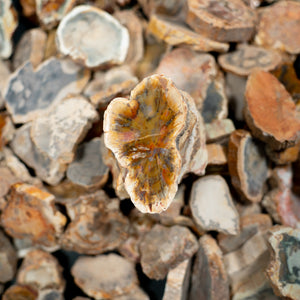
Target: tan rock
x=22 y=292
x=217 y=155
x=219 y=130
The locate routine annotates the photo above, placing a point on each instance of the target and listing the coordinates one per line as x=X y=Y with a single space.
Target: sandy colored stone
x=88 y=168
x=176 y=34
x=7 y=129
x=279 y=26
x=7 y=178
x=8 y=259
x=247 y=165
x=30 y=212
x=117 y=276
x=285 y=263
x=177 y=283
x=212 y=206
x=96 y=226
x=20 y=292
x=79 y=33
x=270 y=111
x=283 y=157
x=217 y=155
x=41 y=271
x=51 y=12
x=224 y=21
x=165 y=248
x=51 y=48
x=219 y=130
x=4 y=75
x=8 y=24
x=25 y=100
x=135 y=294
x=247 y=58
x=46 y=169
x=209 y=278
x=28 y=7
x=57 y=132
x=31 y=47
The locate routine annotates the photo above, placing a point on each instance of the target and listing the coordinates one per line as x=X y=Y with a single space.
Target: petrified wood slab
x=283 y=270
x=270 y=111
x=223 y=20
x=209 y=278
x=279 y=26
x=25 y=99
x=80 y=31
x=247 y=165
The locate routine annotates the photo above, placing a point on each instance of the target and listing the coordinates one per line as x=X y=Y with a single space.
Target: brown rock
x=283 y=157
x=249 y=226
x=209 y=278
x=165 y=248
x=8 y=24
x=88 y=168
x=135 y=294
x=177 y=283
x=57 y=132
x=79 y=33
x=217 y=155
x=284 y=265
x=20 y=292
x=7 y=129
x=279 y=26
x=30 y=213
x=31 y=47
x=248 y=208
x=25 y=100
x=212 y=206
x=7 y=178
x=8 y=259
x=247 y=58
x=247 y=165
x=117 y=276
x=253 y=3
x=41 y=271
x=96 y=226
x=219 y=130
x=51 y=49
x=176 y=34
x=270 y=112
x=224 y=21
x=28 y=7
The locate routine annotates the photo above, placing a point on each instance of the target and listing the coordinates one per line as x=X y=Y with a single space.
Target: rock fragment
x=223 y=21
x=7 y=179
x=209 y=278
x=57 y=132
x=8 y=259
x=247 y=165
x=217 y=155
x=4 y=75
x=176 y=34
x=212 y=206
x=88 y=168
x=25 y=100
x=283 y=157
x=117 y=276
x=219 y=130
x=283 y=270
x=177 y=283
x=80 y=31
x=20 y=292
x=279 y=25
x=270 y=111
x=31 y=47
x=134 y=294
x=246 y=58
x=41 y=271
x=50 y=294
x=7 y=129
x=30 y=213
x=165 y=248
x=96 y=226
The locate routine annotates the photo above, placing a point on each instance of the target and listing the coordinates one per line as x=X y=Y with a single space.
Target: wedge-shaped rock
x=223 y=20
x=209 y=278
x=212 y=206
x=91 y=216
x=279 y=26
x=104 y=276
x=161 y=251
x=51 y=12
x=270 y=111
x=246 y=58
x=57 y=132
x=157 y=136
x=176 y=34
x=80 y=31
x=30 y=213
x=40 y=270
x=247 y=165
x=8 y=24
x=283 y=270
x=8 y=259
x=24 y=97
